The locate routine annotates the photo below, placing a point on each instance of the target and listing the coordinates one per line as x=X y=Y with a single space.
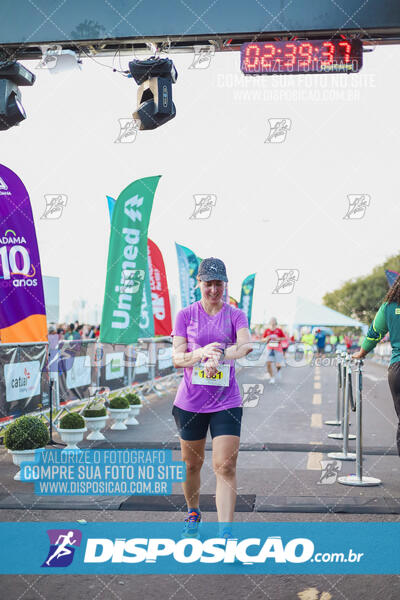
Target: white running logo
x=62 y=550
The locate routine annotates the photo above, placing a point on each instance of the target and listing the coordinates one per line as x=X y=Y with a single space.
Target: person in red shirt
x=274 y=337
x=348 y=341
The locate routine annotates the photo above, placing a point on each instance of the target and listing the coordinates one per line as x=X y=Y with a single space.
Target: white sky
x=278 y=205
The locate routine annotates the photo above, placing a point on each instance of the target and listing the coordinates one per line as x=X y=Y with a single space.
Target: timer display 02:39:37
x=298 y=56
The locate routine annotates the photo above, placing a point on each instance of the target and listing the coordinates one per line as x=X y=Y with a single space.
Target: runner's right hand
x=211 y=351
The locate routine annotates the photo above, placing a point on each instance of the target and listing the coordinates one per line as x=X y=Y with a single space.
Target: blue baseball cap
x=211 y=269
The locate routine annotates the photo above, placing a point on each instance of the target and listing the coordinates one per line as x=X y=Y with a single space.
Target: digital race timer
x=299 y=56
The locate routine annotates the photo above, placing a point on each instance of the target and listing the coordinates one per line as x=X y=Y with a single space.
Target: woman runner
x=214 y=333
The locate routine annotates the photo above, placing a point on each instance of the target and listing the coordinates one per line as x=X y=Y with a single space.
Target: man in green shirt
x=387 y=319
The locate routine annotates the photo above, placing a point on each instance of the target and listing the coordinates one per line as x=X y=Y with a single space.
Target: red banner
x=159 y=291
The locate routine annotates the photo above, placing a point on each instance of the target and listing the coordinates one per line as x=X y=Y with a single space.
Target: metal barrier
x=348 y=400
x=345 y=401
x=359 y=479
x=339 y=380
x=23 y=379
x=152 y=382
x=344 y=367
x=61 y=366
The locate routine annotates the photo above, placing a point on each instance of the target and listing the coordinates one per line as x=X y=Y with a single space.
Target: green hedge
x=26 y=433
x=119 y=402
x=88 y=413
x=72 y=421
x=133 y=398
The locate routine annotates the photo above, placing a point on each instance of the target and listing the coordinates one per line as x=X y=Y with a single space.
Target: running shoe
x=272 y=380
x=192 y=525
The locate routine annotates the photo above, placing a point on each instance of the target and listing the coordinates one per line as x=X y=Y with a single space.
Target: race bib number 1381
x=220 y=378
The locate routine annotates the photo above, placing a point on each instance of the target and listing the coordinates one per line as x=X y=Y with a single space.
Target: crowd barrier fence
x=345 y=400
x=77 y=370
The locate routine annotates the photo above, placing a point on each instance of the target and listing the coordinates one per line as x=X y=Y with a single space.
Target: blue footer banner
x=158 y=547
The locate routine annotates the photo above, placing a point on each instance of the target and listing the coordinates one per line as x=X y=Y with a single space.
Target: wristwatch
x=222 y=355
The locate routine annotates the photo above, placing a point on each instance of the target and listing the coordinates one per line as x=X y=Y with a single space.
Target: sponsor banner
x=103 y=472
x=79 y=375
x=188 y=265
x=164 y=364
x=127 y=263
x=114 y=365
x=146 y=322
x=142 y=364
x=157 y=547
x=246 y=296
x=76 y=369
x=391 y=276
x=113 y=370
x=22 y=309
x=159 y=290
x=23 y=380
x=233 y=302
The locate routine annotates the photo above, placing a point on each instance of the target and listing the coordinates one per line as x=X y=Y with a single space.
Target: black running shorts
x=194 y=426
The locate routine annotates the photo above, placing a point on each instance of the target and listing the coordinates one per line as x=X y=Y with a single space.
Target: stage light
x=56 y=60
x=12 y=74
x=154 y=77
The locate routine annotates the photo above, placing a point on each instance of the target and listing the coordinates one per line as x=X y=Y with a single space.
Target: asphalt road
x=291 y=413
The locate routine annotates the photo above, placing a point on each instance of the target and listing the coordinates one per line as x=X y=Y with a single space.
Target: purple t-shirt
x=199 y=328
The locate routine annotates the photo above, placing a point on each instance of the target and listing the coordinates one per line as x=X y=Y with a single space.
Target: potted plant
x=135 y=404
x=95 y=414
x=24 y=438
x=71 y=429
x=119 y=409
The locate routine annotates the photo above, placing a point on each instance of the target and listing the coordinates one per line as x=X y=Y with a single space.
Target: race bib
x=273 y=344
x=220 y=378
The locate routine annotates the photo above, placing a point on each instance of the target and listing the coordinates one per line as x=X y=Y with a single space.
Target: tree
x=361 y=297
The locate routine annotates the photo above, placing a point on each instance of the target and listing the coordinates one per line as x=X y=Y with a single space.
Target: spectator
x=320 y=337
x=71 y=333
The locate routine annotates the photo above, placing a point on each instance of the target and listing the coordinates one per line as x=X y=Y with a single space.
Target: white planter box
x=119 y=415
x=71 y=437
x=95 y=425
x=134 y=411
x=20 y=456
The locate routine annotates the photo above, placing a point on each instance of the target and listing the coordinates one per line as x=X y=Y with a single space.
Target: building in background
x=83 y=312
x=51 y=289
